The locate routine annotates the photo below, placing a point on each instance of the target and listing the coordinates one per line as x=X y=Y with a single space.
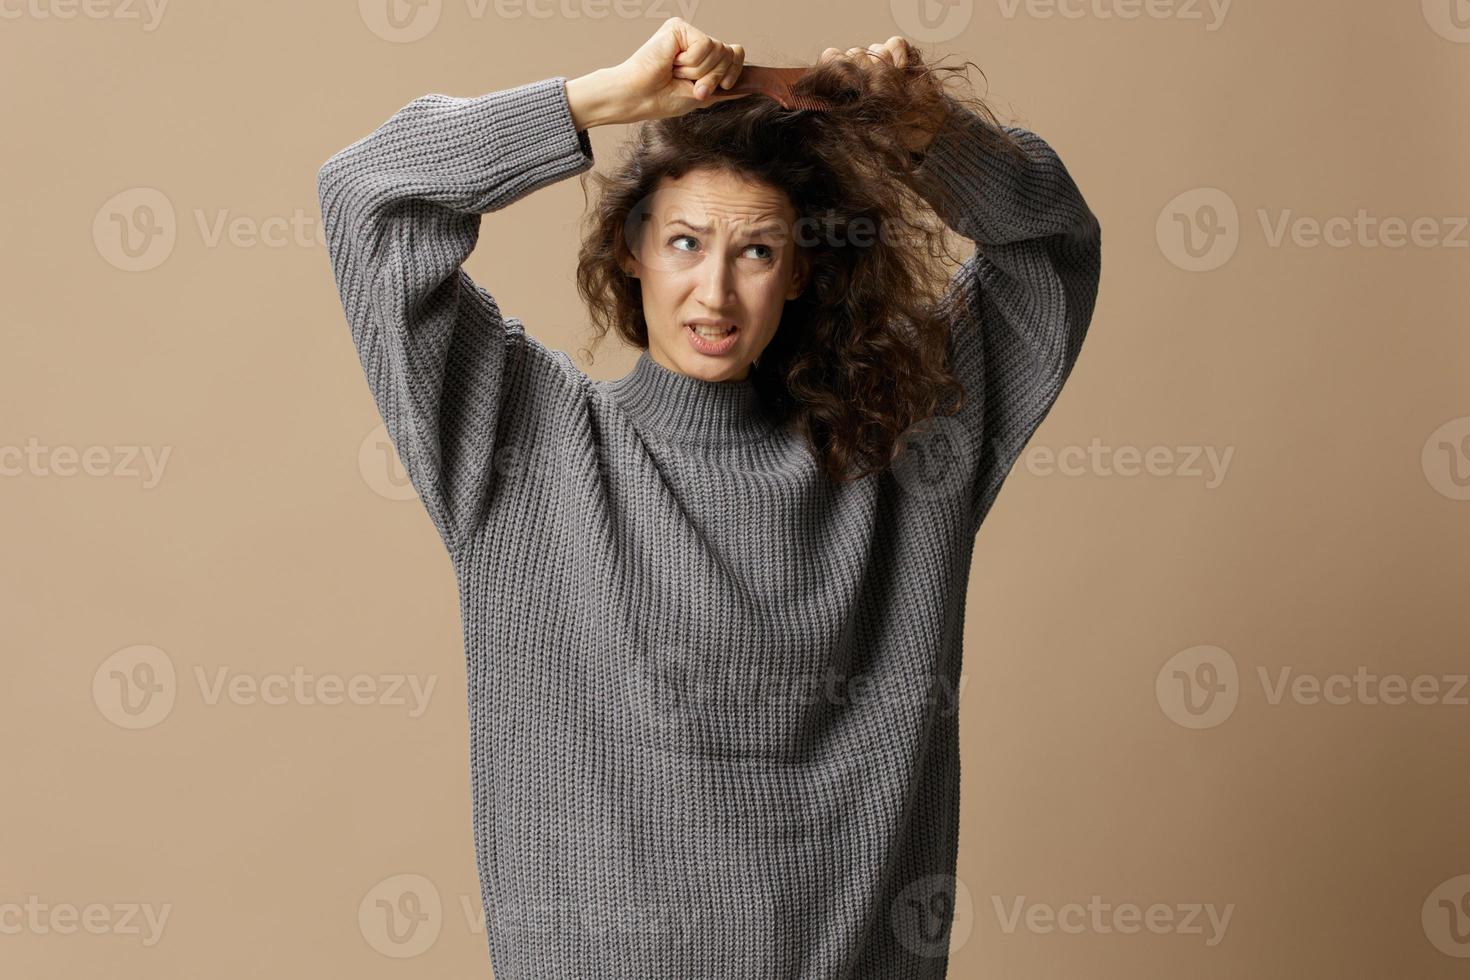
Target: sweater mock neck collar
x=689 y=408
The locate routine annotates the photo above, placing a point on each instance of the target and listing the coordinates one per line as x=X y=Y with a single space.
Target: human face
x=719 y=250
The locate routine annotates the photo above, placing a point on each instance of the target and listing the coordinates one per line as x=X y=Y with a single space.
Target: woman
x=713 y=610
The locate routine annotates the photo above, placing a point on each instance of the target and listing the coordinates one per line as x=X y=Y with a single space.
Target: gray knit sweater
x=712 y=694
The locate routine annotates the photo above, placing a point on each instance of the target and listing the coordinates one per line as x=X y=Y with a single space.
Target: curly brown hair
x=863 y=353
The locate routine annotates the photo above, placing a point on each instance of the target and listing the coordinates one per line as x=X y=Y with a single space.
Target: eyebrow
x=768 y=226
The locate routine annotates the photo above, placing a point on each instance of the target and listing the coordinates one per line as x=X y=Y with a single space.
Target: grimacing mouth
x=708 y=329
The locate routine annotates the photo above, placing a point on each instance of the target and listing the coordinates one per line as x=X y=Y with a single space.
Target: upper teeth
x=705 y=331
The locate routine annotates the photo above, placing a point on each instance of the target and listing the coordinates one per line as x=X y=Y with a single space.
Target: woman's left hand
x=898 y=52
x=895 y=51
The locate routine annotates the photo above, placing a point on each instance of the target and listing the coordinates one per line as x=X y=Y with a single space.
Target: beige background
x=1330 y=537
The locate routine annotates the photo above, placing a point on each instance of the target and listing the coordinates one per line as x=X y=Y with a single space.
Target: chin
x=703 y=367
x=725 y=367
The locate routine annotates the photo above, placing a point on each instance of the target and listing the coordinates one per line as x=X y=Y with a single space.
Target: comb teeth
x=776 y=83
x=793 y=101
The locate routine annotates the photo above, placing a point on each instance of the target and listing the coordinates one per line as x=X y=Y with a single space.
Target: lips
x=710 y=336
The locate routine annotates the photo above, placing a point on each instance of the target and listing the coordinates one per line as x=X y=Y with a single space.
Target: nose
x=716 y=282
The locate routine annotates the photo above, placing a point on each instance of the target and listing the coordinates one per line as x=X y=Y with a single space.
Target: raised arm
x=401 y=212
x=1024 y=300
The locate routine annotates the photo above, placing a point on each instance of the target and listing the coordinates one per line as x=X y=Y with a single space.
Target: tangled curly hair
x=863 y=353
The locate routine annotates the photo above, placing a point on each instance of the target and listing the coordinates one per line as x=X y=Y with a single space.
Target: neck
x=687 y=408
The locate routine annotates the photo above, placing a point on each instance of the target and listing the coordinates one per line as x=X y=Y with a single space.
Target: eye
x=766 y=257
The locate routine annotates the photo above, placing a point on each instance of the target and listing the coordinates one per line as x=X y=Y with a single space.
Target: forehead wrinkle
x=762 y=224
x=713 y=204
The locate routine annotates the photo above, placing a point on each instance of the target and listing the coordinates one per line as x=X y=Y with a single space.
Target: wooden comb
x=776 y=83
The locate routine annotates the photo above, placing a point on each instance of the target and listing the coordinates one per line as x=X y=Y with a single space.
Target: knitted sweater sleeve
x=1023 y=301
x=401 y=212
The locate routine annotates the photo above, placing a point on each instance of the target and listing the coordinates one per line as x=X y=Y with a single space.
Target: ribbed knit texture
x=712 y=715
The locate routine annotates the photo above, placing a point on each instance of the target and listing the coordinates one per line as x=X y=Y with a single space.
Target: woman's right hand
x=677 y=70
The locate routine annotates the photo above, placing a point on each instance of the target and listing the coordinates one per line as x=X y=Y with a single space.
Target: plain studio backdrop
x=1214 y=729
